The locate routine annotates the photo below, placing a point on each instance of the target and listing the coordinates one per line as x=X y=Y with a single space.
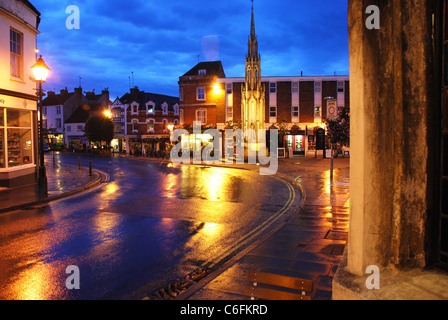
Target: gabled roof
x=142 y=98
x=213 y=68
x=56 y=99
x=82 y=113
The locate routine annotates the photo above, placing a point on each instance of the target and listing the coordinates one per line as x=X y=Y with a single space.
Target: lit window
x=150 y=107
x=150 y=124
x=317 y=112
x=201 y=116
x=229 y=113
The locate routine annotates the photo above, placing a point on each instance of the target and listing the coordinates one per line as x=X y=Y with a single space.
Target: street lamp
x=40 y=71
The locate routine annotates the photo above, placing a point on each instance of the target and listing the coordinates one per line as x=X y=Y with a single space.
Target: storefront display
x=16 y=139
x=295 y=143
x=2 y=138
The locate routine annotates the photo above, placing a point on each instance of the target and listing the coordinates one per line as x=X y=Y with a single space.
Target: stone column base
x=414 y=284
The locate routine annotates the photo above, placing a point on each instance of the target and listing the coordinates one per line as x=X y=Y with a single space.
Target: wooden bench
x=260 y=292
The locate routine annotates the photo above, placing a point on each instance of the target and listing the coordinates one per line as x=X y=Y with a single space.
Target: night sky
x=160 y=40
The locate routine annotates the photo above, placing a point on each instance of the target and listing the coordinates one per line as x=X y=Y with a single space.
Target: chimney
x=64 y=91
x=105 y=93
x=134 y=90
x=78 y=90
x=51 y=93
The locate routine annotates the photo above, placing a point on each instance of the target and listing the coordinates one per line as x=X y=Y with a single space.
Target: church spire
x=252 y=26
x=253 y=43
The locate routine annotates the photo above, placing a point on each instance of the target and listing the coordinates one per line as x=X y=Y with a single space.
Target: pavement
x=309 y=245
x=62 y=181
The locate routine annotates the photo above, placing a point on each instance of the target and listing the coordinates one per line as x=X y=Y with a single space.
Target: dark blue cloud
x=160 y=40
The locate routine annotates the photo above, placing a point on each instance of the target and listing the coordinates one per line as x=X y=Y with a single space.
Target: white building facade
x=19 y=22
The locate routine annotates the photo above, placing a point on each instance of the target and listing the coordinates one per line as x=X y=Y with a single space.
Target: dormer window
x=176 y=109
x=150 y=106
x=134 y=108
x=165 y=108
x=202 y=72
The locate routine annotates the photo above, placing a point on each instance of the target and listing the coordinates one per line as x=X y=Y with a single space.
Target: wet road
x=150 y=224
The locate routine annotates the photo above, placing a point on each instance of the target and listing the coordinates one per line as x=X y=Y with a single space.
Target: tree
x=99 y=129
x=339 y=129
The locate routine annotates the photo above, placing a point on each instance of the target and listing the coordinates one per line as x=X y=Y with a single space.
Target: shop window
x=16 y=145
x=2 y=138
x=16 y=52
x=17 y=118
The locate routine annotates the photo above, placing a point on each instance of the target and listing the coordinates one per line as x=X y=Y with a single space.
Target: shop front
x=18 y=143
x=295 y=143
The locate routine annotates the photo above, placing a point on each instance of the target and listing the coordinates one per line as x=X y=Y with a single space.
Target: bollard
x=90 y=168
x=79 y=163
x=54 y=161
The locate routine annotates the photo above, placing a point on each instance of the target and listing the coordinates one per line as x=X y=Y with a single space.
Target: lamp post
x=40 y=71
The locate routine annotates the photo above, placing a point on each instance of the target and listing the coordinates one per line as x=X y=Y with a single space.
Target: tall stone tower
x=253 y=92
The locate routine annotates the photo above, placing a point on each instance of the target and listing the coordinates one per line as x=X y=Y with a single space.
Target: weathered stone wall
x=389 y=97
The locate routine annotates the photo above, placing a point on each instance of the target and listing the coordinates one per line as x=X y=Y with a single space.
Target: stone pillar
x=390 y=95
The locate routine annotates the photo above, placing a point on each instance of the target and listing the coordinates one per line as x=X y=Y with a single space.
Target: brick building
x=142 y=121
x=299 y=104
